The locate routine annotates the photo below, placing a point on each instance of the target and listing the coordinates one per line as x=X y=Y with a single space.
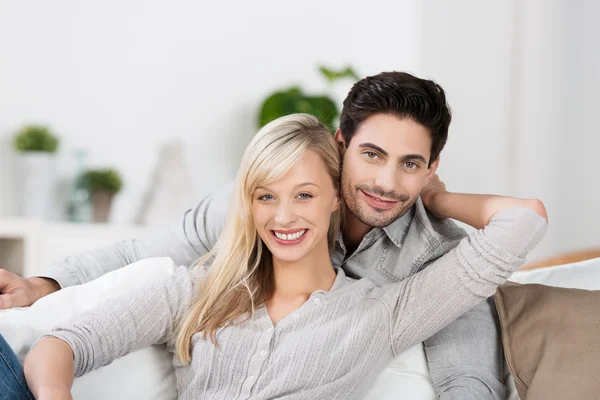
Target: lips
x=378 y=202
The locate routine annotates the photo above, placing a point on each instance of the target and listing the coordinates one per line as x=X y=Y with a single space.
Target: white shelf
x=27 y=245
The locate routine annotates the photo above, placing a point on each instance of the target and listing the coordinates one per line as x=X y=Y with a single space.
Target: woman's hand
x=54 y=393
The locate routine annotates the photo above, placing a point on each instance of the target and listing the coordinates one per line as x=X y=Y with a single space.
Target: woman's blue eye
x=304 y=196
x=265 y=197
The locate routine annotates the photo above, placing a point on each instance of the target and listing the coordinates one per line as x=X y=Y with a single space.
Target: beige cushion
x=551 y=338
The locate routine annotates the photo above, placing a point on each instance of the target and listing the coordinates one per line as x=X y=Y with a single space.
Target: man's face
x=385 y=167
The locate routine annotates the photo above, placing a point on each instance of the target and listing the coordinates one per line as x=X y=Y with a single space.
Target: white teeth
x=291 y=236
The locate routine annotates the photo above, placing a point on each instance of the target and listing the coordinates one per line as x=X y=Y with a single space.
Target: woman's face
x=292 y=214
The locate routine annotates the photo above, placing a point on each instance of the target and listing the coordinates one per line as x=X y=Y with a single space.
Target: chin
x=379 y=219
x=288 y=257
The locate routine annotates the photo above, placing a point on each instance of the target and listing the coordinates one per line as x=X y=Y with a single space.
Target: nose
x=285 y=214
x=386 y=178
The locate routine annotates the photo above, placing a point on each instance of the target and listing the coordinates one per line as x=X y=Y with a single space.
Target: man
x=392 y=129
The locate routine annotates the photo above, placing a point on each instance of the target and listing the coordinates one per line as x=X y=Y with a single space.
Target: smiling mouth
x=289 y=237
x=379 y=199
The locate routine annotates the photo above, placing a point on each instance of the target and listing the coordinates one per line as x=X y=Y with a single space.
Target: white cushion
x=144 y=374
x=407 y=377
x=579 y=275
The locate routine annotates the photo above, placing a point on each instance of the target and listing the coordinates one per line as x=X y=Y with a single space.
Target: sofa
x=147 y=373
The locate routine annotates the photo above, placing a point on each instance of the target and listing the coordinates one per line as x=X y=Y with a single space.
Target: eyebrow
x=373 y=147
x=406 y=157
x=413 y=157
x=295 y=187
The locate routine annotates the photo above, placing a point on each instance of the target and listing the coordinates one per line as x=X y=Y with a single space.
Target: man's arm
x=191 y=237
x=465 y=358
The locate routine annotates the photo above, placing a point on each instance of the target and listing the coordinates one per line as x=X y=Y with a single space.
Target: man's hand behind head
x=21 y=292
x=434 y=187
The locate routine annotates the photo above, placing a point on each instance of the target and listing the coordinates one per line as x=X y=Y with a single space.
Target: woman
x=271 y=317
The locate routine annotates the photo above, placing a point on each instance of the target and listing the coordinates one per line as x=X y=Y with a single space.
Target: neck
x=303 y=277
x=354 y=231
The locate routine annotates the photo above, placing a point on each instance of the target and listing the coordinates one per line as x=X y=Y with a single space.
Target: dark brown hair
x=403 y=95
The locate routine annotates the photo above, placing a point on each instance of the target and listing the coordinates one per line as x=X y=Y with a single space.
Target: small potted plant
x=37 y=147
x=102 y=184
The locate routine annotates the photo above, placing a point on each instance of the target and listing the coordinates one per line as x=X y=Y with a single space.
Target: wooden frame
x=564 y=258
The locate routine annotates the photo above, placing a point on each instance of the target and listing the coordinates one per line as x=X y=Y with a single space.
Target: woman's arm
x=49 y=370
x=117 y=327
x=426 y=302
x=473 y=209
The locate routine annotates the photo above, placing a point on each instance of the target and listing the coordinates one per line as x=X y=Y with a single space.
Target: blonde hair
x=240 y=277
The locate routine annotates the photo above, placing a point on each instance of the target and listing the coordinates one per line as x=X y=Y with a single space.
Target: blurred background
x=159 y=99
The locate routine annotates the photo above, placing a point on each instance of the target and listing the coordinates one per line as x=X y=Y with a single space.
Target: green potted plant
x=294 y=100
x=36 y=146
x=102 y=184
x=36 y=139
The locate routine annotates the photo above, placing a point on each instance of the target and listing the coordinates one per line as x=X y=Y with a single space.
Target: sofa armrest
x=564 y=258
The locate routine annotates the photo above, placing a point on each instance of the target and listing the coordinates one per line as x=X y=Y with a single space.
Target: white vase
x=36 y=182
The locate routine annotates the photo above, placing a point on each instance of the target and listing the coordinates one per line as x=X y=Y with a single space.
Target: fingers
x=6 y=278
x=10 y=300
x=13 y=291
x=5 y=301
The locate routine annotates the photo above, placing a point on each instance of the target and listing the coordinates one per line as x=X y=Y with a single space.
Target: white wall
x=556 y=140
x=522 y=81
x=580 y=148
x=466 y=47
x=539 y=99
x=121 y=77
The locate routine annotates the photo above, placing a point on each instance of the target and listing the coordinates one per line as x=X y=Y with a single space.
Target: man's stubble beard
x=350 y=196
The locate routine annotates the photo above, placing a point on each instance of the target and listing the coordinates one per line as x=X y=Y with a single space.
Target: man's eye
x=371 y=154
x=411 y=165
x=304 y=196
x=265 y=197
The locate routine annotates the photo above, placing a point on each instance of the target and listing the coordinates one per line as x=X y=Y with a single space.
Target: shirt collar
x=398 y=229
x=341 y=279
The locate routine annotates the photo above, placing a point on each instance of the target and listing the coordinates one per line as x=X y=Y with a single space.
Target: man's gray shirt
x=465 y=358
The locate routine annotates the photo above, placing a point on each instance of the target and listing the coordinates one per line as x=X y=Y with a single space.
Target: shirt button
x=251 y=378
x=263 y=353
x=270 y=330
x=317 y=301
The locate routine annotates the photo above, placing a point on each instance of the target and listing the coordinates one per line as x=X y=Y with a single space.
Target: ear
x=337 y=203
x=432 y=169
x=339 y=139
